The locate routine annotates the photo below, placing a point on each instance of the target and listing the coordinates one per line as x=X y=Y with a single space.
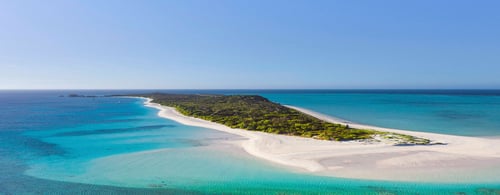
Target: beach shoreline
x=461 y=159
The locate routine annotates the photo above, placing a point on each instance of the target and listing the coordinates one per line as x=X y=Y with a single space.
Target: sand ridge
x=461 y=159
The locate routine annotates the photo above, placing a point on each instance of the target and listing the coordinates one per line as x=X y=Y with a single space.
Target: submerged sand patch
x=461 y=159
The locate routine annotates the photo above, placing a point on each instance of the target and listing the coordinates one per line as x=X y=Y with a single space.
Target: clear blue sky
x=249 y=44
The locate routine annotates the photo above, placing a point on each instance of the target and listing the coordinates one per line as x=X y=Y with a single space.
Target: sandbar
x=459 y=159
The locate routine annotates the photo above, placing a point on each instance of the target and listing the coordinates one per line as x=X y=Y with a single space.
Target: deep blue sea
x=61 y=145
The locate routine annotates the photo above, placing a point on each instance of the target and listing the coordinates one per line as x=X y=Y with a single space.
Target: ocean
x=62 y=145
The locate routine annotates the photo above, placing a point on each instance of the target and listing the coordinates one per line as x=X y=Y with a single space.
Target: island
x=306 y=141
x=256 y=113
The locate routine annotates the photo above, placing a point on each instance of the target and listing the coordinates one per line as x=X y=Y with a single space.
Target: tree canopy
x=256 y=113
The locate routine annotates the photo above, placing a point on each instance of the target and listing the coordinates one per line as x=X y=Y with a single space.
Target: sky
x=249 y=44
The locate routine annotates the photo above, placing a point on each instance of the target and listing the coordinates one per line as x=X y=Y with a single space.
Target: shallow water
x=66 y=145
x=470 y=113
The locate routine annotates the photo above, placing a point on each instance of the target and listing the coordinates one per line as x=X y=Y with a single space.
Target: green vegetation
x=256 y=113
x=401 y=139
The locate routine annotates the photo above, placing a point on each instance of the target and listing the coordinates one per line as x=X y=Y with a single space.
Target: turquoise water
x=469 y=114
x=59 y=145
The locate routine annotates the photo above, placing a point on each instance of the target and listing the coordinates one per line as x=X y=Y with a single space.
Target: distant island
x=73 y=95
x=256 y=113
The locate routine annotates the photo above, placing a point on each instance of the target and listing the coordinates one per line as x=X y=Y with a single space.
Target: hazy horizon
x=270 y=89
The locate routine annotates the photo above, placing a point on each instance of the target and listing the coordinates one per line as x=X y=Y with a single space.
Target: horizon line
x=85 y=89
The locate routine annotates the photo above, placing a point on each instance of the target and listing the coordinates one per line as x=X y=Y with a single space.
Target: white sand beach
x=461 y=159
